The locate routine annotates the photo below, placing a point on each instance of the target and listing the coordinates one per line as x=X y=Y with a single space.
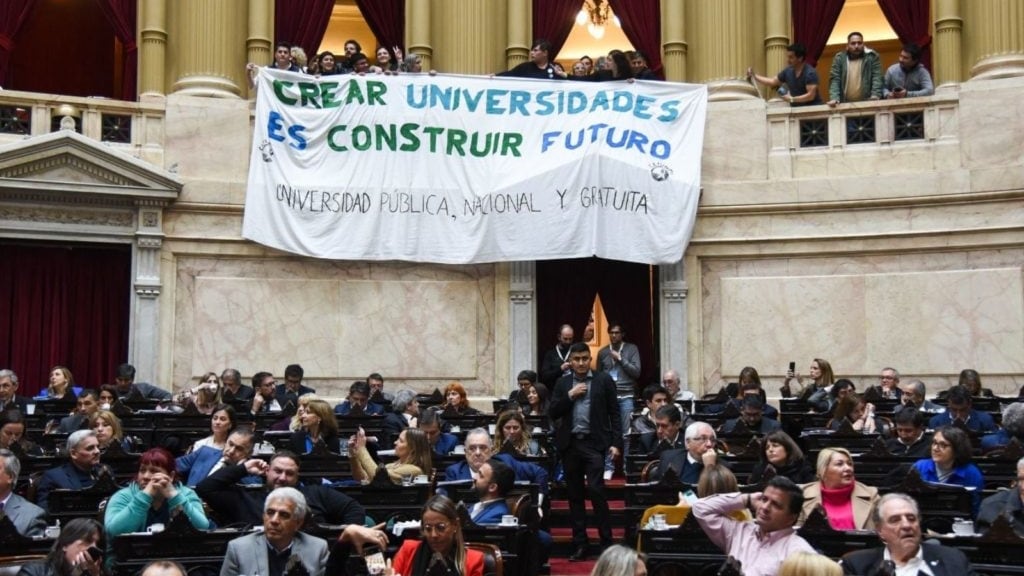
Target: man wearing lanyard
x=556 y=361
x=621 y=360
x=589 y=426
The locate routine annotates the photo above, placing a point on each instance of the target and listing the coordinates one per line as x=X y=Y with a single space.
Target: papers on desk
x=400 y=527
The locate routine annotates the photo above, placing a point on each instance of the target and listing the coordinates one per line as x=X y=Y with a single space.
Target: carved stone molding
x=150 y=242
x=59 y=215
x=148 y=291
x=522 y=296
x=675 y=293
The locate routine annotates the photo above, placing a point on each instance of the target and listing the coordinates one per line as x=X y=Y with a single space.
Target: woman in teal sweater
x=151 y=499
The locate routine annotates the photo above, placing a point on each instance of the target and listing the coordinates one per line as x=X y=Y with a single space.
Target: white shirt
x=914 y=566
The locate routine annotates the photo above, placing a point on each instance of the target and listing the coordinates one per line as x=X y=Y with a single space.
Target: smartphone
x=95 y=553
x=792 y=367
x=374 y=559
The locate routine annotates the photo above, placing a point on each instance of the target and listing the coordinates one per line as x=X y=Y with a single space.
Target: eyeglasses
x=702 y=439
x=439 y=528
x=477 y=448
x=942 y=445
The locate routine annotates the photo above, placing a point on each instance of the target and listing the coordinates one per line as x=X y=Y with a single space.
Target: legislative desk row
x=202 y=552
x=686 y=550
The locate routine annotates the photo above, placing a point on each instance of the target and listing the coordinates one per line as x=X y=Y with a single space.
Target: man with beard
x=556 y=361
x=908 y=78
x=856 y=73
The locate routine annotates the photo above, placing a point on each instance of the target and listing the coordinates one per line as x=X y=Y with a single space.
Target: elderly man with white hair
x=1009 y=503
x=689 y=462
x=79 y=472
x=281 y=545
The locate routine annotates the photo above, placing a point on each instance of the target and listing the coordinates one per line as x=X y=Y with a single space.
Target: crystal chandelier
x=595 y=14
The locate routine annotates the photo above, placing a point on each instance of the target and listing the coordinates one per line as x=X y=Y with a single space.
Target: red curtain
x=386 y=19
x=302 y=22
x=13 y=14
x=813 y=21
x=65 y=305
x=121 y=15
x=641 y=22
x=912 y=23
x=565 y=295
x=553 y=21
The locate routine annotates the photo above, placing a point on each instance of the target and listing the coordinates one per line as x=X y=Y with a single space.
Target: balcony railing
x=135 y=128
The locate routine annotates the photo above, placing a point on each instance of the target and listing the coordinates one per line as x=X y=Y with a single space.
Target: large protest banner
x=467 y=169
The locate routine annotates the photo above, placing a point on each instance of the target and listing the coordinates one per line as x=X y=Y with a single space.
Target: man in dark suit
x=80 y=471
x=899 y=527
x=668 y=423
x=88 y=404
x=287 y=394
x=689 y=462
x=589 y=425
x=441 y=443
x=556 y=360
x=129 y=389
x=9 y=398
x=405 y=411
x=960 y=409
x=358 y=402
x=275 y=550
x=28 y=519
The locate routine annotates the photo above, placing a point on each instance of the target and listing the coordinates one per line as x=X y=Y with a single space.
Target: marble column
x=947 y=50
x=520 y=35
x=470 y=35
x=723 y=33
x=152 y=49
x=776 y=37
x=144 y=347
x=672 y=340
x=522 y=323
x=259 y=41
x=418 y=30
x=995 y=38
x=206 y=46
x=673 y=39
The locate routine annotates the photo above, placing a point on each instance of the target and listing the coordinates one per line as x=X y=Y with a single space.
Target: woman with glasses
x=951 y=463
x=441 y=549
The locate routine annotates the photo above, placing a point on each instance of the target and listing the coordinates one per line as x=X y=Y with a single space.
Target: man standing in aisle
x=589 y=426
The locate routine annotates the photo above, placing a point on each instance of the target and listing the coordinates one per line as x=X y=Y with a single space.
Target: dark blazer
x=29 y=519
x=19 y=402
x=72 y=423
x=244 y=394
x=551 y=367
x=920 y=449
x=372 y=409
x=605 y=420
x=221 y=492
x=146 y=391
x=525 y=471
x=298 y=442
x=1004 y=502
x=650 y=445
x=38 y=568
x=677 y=460
x=446 y=442
x=766 y=426
x=394 y=423
x=66 y=476
x=977 y=421
x=285 y=396
x=941 y=560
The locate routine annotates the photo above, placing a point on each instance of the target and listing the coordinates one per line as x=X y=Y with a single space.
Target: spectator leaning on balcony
x=856 y=73
x=908 y=77
x=800 y=78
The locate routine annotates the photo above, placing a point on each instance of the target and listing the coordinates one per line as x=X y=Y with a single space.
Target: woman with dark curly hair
x=951 y=463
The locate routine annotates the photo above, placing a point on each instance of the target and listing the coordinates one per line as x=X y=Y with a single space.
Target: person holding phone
x=441 y=549
x=76 y=551
x=412 y=450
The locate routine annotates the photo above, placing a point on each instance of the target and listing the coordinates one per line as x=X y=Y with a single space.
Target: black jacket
x=605 y=420
x=235 y=504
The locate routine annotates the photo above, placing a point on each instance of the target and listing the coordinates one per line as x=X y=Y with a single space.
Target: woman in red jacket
x=441 y=541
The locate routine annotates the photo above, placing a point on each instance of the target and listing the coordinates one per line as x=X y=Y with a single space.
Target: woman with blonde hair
x=61 y=385
x=848 y=504
x=412 y=450
x=107 y=427
x=441 y=541
x=317 y=424
x=301 y=405
x=511 y=428
x=807 y=564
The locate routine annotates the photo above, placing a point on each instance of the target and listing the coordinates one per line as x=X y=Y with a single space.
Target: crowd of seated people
x=217 y=463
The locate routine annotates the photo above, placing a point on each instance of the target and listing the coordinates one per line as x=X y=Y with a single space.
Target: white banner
x=467 y=169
